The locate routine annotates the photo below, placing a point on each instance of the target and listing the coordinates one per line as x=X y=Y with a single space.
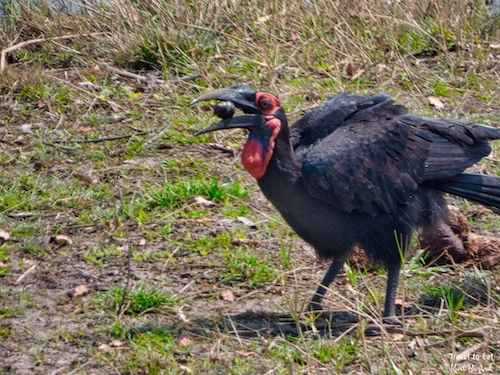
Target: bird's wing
x=373 y=163
x=456 y=145
x=328 y=116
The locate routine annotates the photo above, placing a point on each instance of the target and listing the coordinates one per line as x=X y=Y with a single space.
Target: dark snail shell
x=224 y=109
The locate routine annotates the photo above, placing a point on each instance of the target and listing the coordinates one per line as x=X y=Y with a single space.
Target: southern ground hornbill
x=358 y=171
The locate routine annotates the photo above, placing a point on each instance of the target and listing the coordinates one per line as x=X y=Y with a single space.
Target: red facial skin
x=252 y=156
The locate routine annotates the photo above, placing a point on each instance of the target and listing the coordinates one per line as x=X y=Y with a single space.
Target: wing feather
x=368 y=154
x=373 y=163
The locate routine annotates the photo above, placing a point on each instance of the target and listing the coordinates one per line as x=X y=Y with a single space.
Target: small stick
x=23 y=276
x=227 y=150
x=5 y=51
x=64 y=148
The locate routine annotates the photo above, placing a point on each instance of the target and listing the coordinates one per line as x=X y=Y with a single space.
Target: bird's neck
x=284 y=161
x=282 y=171
x=284 y=164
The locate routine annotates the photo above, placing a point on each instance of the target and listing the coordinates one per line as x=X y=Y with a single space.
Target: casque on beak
x=243 y=97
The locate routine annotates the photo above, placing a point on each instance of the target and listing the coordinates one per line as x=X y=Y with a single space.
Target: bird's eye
x=265 y=104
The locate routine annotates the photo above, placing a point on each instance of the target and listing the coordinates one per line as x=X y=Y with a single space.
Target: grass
x=112 y=163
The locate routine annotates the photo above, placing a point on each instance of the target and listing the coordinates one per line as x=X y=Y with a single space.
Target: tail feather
x=479 y=188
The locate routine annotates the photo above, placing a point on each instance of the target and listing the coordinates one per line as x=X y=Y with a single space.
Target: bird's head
x=263 y=117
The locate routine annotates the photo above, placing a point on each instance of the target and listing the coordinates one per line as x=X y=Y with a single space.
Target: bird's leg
x=390 y=293
x=333 y=270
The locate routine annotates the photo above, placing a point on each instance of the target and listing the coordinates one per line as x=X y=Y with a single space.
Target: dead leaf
x=435 y=102
x=80 y=290
x=82 y=129
x=3 y=265
x=116 y=344
x=40 y=103
x=262 y=19
x=245 y=354
x=104 y=348
x=182 y=316
x=200 y=201
x=350 y=70
x=185 y=369
x=249 y=223
x=206 y=220
x=398 y=337
x=27 y=128
x=82 y=177
x=277 y=290
x=381 y=67
x=4 y=236
x=405 y=304
x=142 y=242
x=227 y=295
x=186 y=341
x=61 y=239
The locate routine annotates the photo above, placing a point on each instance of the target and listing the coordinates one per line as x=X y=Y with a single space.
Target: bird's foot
x=392 y=320
x=389 y=323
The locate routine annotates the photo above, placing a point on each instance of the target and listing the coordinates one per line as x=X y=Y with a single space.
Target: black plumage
x=359 y=171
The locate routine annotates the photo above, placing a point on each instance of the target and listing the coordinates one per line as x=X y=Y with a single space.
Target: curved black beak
x=244 y=121
x=241 y=95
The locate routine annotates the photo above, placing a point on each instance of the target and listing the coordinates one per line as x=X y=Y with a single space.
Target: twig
x=184 y=288
x=24 y=275
x=5 y=51
x=64 y=148
x=165 y=129
x=78 y=369
x=226 y=150
x=128 y=74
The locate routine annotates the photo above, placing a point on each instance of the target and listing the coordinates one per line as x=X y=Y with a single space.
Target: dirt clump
x=462 y=246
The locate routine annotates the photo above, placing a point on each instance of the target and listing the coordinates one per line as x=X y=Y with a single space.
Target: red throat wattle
x=252 y=156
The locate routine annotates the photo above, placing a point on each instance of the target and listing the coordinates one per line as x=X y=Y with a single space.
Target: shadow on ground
x=250 y=324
